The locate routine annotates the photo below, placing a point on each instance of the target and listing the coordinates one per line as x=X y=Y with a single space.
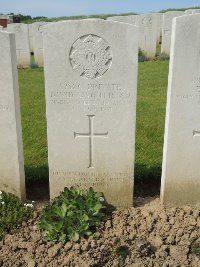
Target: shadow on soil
x=147 y=184
x=37 y=183
x=147 y=180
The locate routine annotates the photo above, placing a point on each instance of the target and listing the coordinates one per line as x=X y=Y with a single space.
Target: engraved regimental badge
x=90 y=56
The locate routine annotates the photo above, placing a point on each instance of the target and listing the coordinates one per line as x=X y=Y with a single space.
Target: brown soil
x=150 y=234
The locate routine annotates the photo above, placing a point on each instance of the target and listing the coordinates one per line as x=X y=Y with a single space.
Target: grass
x=34 y=123
x=152 y=85
x=151 y=104
x=12 y=213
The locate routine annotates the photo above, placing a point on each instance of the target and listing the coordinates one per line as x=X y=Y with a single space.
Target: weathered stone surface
x=22 y=43
x=159 y=26
x=181 y=154
x=38 y=42
x=132 y=19
x=11 y=150
x=147 y=24
x=91 y=80
x=30 y=34
x=148 y=32
x=167 y=29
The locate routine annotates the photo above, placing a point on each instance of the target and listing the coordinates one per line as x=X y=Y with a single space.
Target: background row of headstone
x=151 y=27
x=29 y=40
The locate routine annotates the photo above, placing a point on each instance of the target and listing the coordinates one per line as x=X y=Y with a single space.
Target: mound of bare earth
x=145 y=235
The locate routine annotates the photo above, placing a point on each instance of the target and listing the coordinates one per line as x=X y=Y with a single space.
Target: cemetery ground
x=144 y=235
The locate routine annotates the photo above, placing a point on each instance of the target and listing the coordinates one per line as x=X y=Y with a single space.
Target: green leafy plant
x=141 y=56
x=73 y=214
x=33 y=66
x=121 y=249
x=195 y=246
x=162 y=56
x=12 y=212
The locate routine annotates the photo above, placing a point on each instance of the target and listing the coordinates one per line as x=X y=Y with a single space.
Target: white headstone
x=132 y=19
x=147 y=24
x=1 y=28
x=181 y=154
x=11 y=150
x=38 y=42
x=30 y=33
x=91 y=80
x=167 y=29
x=22 y=43
x=192 y=11
x=159 y=26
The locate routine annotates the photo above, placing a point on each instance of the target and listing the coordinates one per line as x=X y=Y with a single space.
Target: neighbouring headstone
x=159 y=26
x=131 y=19
x=148 y=32
x=91 y=80
x=12 y=177
x=1 y=28
x=147 y=24
x=38 y=42
x=167 y=29
x=181 y=157
x=22 y=43
x=30 y=34
x=192 y=11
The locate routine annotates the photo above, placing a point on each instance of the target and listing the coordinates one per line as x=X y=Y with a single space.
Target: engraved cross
x=91 y=135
